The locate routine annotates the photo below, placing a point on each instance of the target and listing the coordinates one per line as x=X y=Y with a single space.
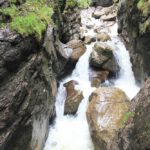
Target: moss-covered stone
x=30 y=18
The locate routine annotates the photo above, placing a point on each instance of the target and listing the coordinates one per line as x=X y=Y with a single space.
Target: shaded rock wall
x=134 y=26
x=104 y=3
x=27 y=90
x=136 y=133
x=71 y=25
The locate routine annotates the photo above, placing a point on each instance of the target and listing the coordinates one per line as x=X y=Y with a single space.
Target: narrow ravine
x=72 y=132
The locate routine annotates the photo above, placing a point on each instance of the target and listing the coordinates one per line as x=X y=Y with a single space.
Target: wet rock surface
x=71 y=25
x=135 y=29
x=105 y=13
x=73 y=99
x=105 y=115
x=103 y=37
x=136 y=133
x=102 y=57
x=27 y=90
x=98 y=77
x=89 y=39
x=78 y=49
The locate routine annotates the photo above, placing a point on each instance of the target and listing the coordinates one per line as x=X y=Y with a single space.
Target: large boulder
x=73 y=99
x=100 y=11
x=102 y=57
x=103 y=2
x=134 y=26
x=78 y=48
x=106 y=114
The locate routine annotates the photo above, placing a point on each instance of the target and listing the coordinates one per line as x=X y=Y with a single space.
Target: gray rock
x=136 y=36
x=136 y=133
x=27 y=90
x=102 y=57
x=103 y=37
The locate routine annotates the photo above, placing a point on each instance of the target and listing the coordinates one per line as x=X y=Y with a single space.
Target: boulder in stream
x=102 y=57
x=98 y=77
x=73 y=99
x=110 y=17
x=78 y=49
x=106 y=114
x=103 y=37
x=89 y=39
x=100 y=11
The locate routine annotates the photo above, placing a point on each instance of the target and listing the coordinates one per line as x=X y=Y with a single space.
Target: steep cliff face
x=136 y=133
x=27 y=89
x=134 y=25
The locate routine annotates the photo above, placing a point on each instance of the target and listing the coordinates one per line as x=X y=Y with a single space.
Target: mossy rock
x=30 y=18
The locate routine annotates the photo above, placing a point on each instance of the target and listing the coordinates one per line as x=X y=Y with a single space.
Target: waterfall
x=126 y=80
x=72 y=132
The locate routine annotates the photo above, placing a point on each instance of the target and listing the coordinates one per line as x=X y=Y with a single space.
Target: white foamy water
x=126 y=80
x=72 y=132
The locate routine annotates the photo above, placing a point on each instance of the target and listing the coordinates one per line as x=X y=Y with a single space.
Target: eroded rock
x=106 y=114
x=89 y=39
x=136 y=133
x=100 y=11
x=134 y=26
x=78 y=49
x=102 y=57
x=98 y=77
x=103 y=37
x=109 y=17
x=73 y=99
x=27 y=90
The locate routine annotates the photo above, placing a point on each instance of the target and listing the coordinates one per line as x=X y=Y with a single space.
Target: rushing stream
x=72 y=132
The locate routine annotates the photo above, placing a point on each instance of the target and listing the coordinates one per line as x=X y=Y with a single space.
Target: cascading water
x=72 y=132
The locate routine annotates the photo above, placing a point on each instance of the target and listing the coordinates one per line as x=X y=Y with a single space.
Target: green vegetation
x=126 y=117
x=84 y=3
x=144 y=26
x=78 y=3
x=71 y=3
x=144 y=6
x=30 y=18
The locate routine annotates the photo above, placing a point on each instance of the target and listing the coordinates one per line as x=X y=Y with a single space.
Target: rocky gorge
x=74 y=88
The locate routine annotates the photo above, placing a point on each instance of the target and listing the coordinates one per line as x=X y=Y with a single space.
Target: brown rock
x=74 y=98
x=89 y=39
x=106 y=114
x=78 y=49
x=100 y=11
x=109 y=17
x=95 y=82
x=103 y=36
x=98 y=77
